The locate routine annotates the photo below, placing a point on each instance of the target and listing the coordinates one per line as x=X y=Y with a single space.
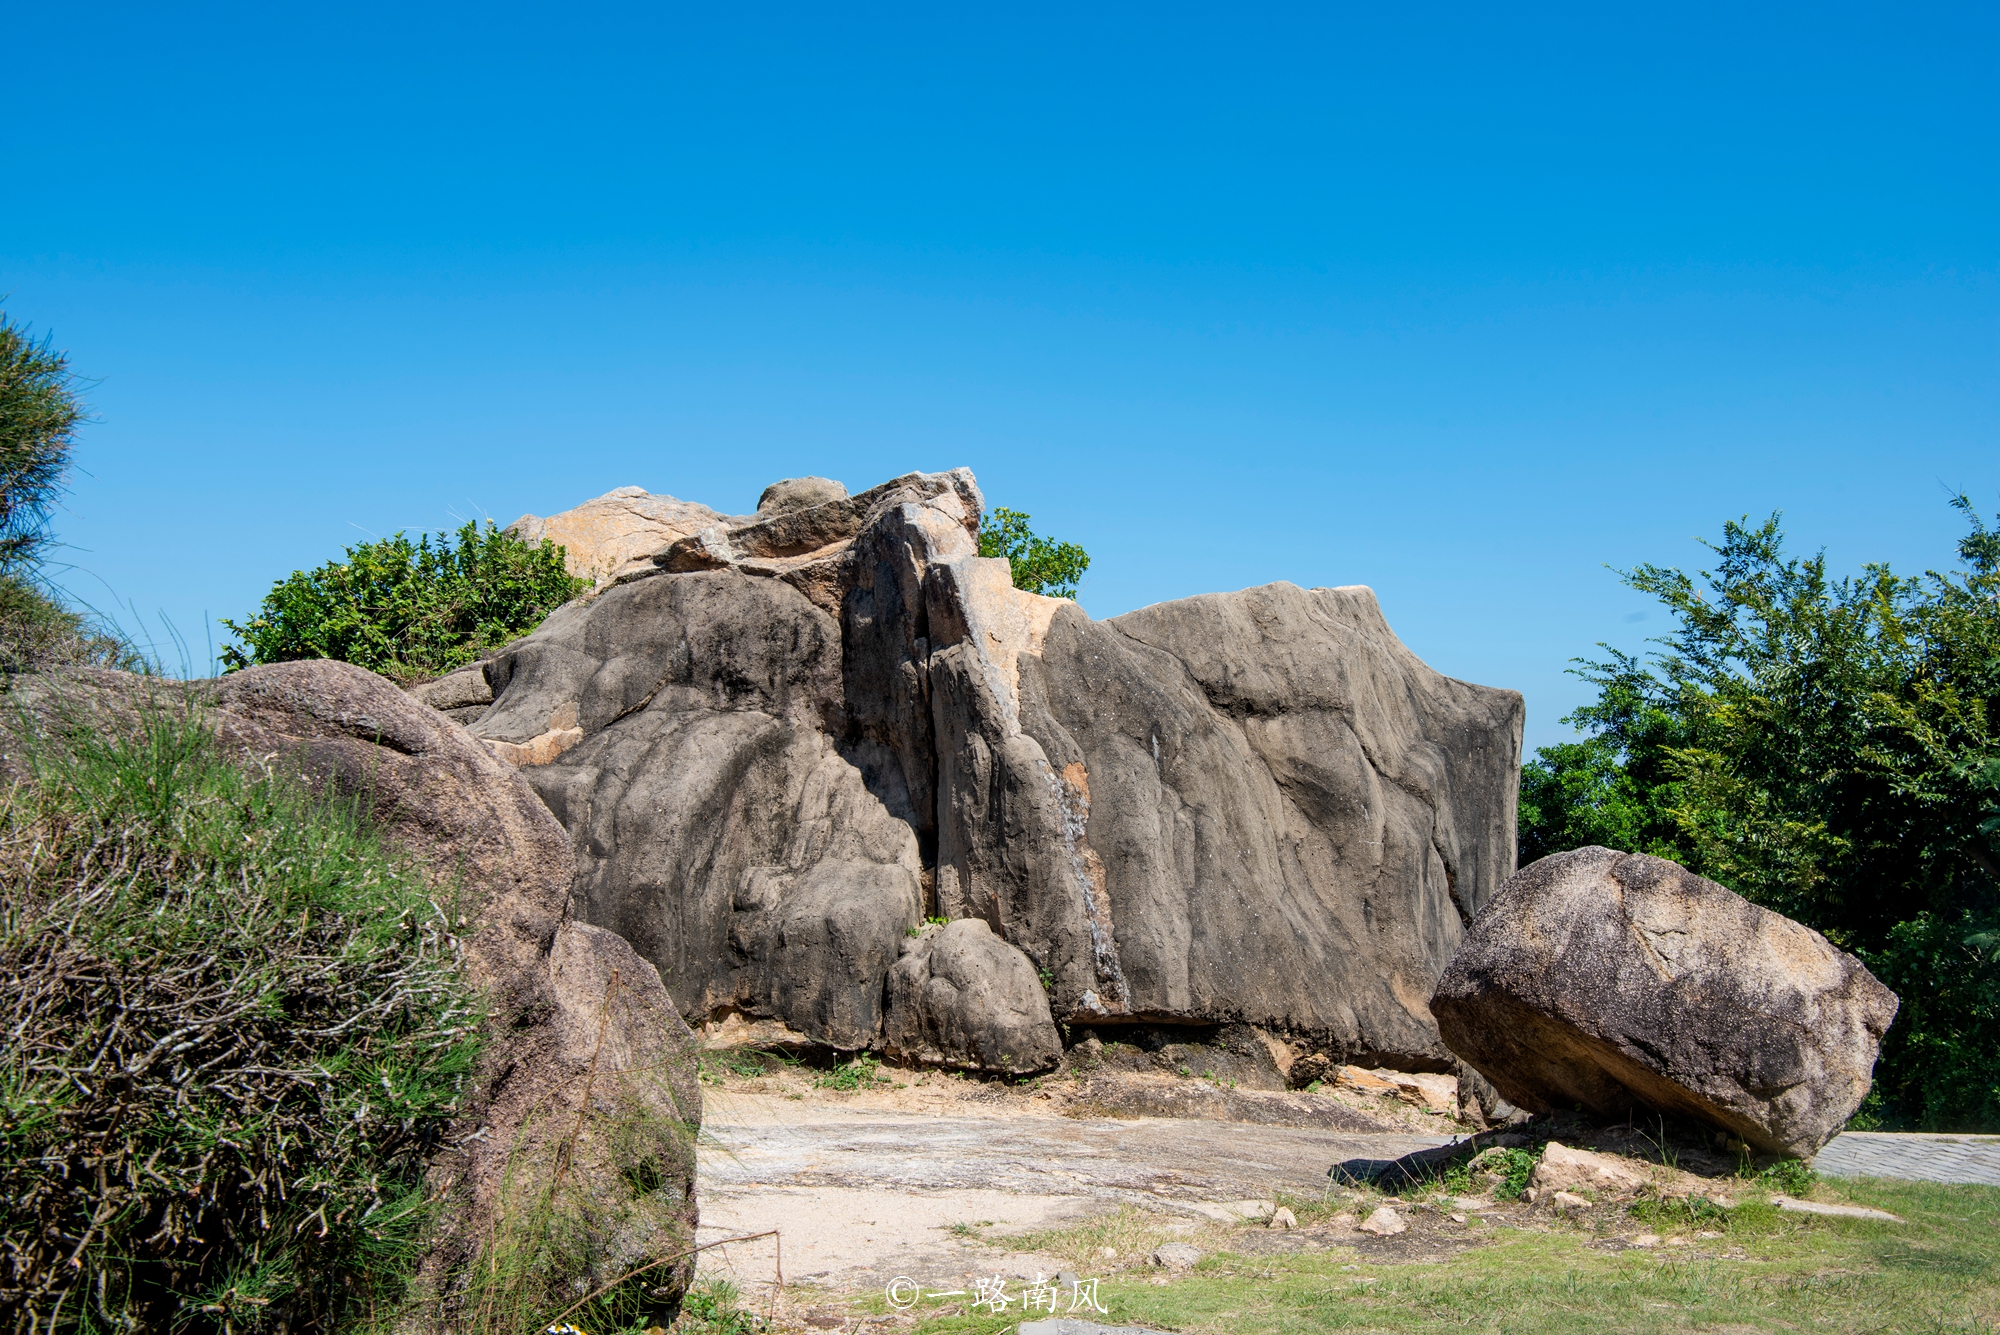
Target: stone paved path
x=1912 y=1156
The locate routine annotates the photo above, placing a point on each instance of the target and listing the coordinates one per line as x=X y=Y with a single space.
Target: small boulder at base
x=1175 y=1256
x=960 y=996
x=1616 y=981
x=1564 y=1169
x=1384 y=1223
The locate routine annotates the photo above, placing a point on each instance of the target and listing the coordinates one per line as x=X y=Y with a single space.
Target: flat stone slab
x=1797 y=1206
x=1912 y=1156
x=1066 y=1325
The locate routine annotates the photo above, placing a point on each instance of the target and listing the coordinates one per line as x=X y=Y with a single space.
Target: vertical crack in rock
x=1071 y=790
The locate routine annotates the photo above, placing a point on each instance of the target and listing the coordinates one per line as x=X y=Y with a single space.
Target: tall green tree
x=406 y=609
x=39 y=413
x=40 y=410
x=1040 y=565
x=1830 y=749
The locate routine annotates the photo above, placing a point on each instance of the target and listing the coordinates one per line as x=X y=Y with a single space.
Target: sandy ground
x=865 y=1187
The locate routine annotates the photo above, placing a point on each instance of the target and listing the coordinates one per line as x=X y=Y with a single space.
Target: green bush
x=409 y=610
x=236 y=1026
x=1040 y=565
x=1829 y=749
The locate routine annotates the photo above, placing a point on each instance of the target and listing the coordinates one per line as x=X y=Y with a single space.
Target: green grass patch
x=1938 y=1273
x=237 y=1027
x=864 y=1072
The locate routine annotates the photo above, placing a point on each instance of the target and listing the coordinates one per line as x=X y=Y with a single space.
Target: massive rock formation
x=778 y=742
x=1616 y=980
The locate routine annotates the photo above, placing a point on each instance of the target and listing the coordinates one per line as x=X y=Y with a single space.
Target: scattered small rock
x=1283 y=1218
x=1108 y=1253
x=1456 y=1216
x=1796 y=1206
x=1176 y=1256
x=1384 y=1223
x=1561 y=1168
x=1569 y=1200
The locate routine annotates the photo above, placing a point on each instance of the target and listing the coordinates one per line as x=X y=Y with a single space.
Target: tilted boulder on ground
x=575 y=1014
x=801 y=732
x=960 y=996
x=1618 y=981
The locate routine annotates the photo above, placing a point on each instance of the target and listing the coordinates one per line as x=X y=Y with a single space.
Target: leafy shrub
x=1514 y=1167
x=1829 y=749
x=1040 y=565
x=864 y=1072
x=715 y=1307
x=1794 y=1177
x=409 y=610
x=237 y=1026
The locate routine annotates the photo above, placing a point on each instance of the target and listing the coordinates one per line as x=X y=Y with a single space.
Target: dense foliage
x=1830 y=749
x=39 y=413
x=409 y=609
x=1040 y=565
x=235 y=1025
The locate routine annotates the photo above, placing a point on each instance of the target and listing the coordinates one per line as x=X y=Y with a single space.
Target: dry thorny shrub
x=237 y=1026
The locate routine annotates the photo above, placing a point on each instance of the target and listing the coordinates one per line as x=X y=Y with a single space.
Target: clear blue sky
x=1461 y=303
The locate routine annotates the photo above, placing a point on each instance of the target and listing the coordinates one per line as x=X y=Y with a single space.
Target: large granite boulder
x=960 y=996
x=575 y=1013
x=1616 y=980
x=1254 y=807
x=792 y=736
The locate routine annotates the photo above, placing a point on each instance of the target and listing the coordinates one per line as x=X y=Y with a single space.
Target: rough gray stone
x=462 y=689
x=683 y=729
x=1616 y=980
x=960 y=996
x=1253 y=807
x=1175 y=1256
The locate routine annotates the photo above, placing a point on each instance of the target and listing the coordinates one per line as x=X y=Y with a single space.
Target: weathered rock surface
x=960 y=996
x=576 y=1013
x=782 y=742
x=1616 y=980
x=618 y=532
x=689 y=725
x=1253 y=807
